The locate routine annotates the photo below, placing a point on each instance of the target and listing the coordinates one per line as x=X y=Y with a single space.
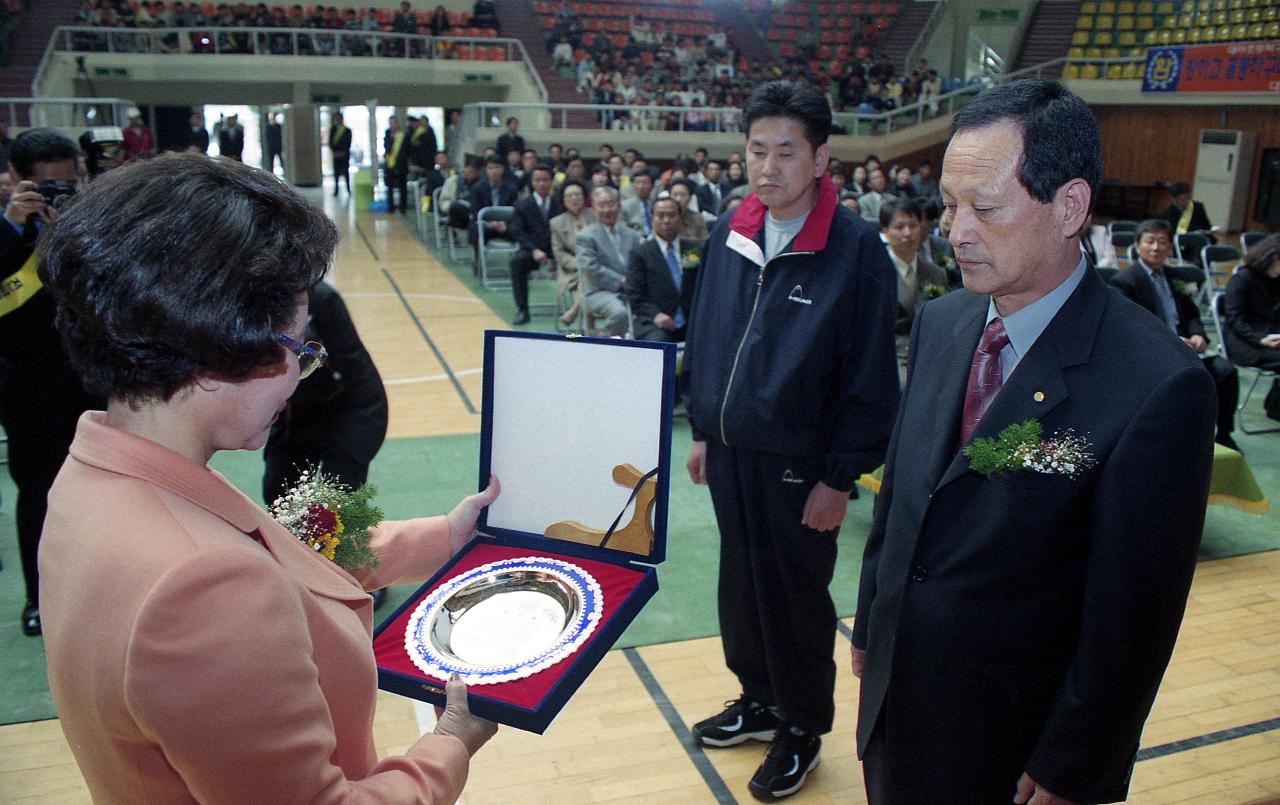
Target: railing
x=281 y=42
x=926 y=31
x=638 y=118
x=68 y=112
x=982 y=60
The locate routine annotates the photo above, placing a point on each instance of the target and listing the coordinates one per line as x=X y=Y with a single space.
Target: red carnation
x=319 y=521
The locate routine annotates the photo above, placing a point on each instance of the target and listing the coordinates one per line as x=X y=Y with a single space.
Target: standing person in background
x=793 y=384
x=510 y=140
x=453 y=139
x=1185 y=215
x=137 y=137
x=274 y=143
x=395 y=166
x=231 y=139
x=340 y=150
x=422 y=147
x=197 y=139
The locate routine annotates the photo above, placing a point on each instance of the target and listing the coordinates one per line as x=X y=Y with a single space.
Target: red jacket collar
x=748 y=218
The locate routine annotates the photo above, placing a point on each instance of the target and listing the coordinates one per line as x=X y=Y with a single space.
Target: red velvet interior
x=616 y=583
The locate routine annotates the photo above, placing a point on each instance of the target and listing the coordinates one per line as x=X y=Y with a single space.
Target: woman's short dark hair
x=40 y=145
x=180 y=266
x=793 y=99
x=573 y=183
x=1060 y=140
x=1263 y=254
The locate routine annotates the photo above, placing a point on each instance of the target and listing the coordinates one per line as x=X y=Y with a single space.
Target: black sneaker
x=790 y=759
x=742 y=720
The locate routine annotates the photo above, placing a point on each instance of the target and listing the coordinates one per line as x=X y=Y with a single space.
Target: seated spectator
x=603 y=251
x=902 y=186
x=531 y=230
x=660 y=277
x=437 y=175
x=925 y=183
x=565 y=228
x=1252 y=312
x=692 y=225
x=484 y=15
x=495 y=190
x=735 y=176
x=455 y=198
x=901 y=231
x=934 y=246
x=562 y=53
x=1146 y=283
x=858 y=182
x=618 y=177
x=439 y=22
x=1185 y=215
x=869 y=202
x=710 y=193
x=637 y=208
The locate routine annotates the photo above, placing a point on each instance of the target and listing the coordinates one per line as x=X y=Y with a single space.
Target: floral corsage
x=1020 y=447
x=933 y=290
x=330 y=519
x=690 y=258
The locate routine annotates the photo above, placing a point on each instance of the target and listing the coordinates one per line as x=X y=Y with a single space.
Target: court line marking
x=413 y=295
x=404 y=381
x=462 y=393
x=698 y=757
x=368 y=245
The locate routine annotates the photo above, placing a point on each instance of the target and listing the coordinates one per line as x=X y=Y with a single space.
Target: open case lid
x=578 y=430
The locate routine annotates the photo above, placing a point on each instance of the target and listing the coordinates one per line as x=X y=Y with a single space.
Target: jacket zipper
x=724 y=403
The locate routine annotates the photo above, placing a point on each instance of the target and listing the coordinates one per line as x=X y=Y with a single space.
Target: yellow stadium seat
x=1273 y=30
x=1104 y=22
x=1125 y=7
x=1224 y=33
x=1115 y=72
x=1185 y=21
x=1089 y=8
x=1151 y=37
x=1093 y=53
x=1181 y=37
x=1089 y=72
x=1219 y=5
x=1204 y=5
x=1239 y=32
x=1236 y=4
x=1270 y=13
x=1084 y=23
x=1146 y=23
x=1146 y=7
x=1127 y=39
x=1132 y=71
x=1256 y=31
x=1220 y=18
x=1071 y=72
x=1166 y=36
x=1080 y=38
x=1102 y=38
x=1253 y=15
x=1124 y=23
x=1164 y=7
x=1237 y=16
x=1137 y=53
x=1111 y=53
x=1075 y=53
x=1106 y=7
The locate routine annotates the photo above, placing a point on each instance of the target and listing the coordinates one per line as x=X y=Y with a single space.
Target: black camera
x=56 y=192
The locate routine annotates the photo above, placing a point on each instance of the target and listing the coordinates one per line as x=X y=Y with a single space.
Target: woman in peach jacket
x=197 y=651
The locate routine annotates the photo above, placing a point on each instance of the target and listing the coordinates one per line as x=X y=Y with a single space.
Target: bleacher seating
x=1117 y=29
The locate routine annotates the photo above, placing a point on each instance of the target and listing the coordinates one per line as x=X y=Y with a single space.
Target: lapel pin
x=1038 y=396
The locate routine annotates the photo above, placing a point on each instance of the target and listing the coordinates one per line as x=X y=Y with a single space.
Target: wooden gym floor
x=1213 y=737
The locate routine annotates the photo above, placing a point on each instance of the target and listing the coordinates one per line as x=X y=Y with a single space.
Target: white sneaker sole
x=741 y=738
x=765 y=795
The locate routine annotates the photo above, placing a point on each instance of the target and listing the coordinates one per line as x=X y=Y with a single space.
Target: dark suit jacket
x=1199 y=218
x=707 y=200
x=1134 y=283
x=1023 y=621
x=197 y=137
x=340 y=145
x=231 y=142
x=651 y=291
x=423 y=147
x=531 y=230
x=481 y=195
x=1252 y=311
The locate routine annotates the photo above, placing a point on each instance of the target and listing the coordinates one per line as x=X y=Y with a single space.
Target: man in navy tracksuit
x=793 y=389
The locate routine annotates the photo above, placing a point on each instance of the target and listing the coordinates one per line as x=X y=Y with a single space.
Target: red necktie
x=984 y=377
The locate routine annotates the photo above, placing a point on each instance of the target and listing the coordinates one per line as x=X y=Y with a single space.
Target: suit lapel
x=950 y=384
x=1066 y=341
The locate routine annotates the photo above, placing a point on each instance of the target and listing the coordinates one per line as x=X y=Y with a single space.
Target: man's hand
x=697 y=463
x=1196 y=342
x=462 y=520
x=664 y=322
x=539 y=255
x=27 y=201
x=1029 y=792
x=1271 y=342
x=456 y=719
x=825 y=508
x=859 y=659
x=496 y=226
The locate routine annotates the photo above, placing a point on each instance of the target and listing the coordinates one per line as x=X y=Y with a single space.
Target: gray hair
x=604 y=189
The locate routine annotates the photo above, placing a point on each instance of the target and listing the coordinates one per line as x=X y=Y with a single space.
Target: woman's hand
x=462 y=520
x=1271 y=341
x=456 y=719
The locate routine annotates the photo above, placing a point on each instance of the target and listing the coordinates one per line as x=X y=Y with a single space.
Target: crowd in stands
x=10 y=14
x=482 y=22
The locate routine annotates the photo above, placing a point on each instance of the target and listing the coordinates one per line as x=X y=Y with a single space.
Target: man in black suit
x=660 y=277
x=710 y=194
x=395 y=166
x=492 y=191
x=231 y=139
x=1146 y=283
x=531 y=229
x=1185 y=215
x=274 y=142
x=1018 y=603
x=340 y=148
x=197 y=139
x=422 y=147
x=510 y=140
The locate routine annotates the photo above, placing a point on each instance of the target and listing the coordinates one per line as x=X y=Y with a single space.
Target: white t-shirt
x=777 y=234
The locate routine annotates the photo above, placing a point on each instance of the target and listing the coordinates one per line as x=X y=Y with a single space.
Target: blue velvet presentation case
x=578 y=432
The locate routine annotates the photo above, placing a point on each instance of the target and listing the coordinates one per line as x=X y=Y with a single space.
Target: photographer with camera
x=40 y=396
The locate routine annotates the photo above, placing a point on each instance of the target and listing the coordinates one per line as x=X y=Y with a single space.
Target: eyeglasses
x=311 y=355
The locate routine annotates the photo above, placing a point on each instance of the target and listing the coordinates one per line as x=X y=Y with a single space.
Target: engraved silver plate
x=505 y=620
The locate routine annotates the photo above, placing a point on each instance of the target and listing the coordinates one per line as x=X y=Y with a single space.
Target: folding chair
x=1210 y=257
x=1122 y=226
x=489 y=274
x=1258 y=374
x=1123 y=243
x=1249 y=239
